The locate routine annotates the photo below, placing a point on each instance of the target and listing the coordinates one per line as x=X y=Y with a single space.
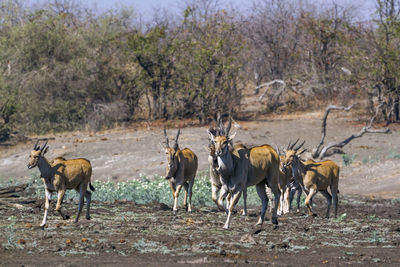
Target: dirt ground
x=125 y=153
x=367 y=231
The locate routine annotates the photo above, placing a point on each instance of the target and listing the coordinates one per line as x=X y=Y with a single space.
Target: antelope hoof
x=88 y=218
x=66 y=217
x=226 y=227
x=42 y=226
x=275 y=221
x=174 y=212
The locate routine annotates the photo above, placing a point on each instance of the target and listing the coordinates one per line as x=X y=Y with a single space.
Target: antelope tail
x=91 y=187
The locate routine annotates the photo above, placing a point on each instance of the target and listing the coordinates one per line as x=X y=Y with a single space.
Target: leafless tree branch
x=268 y=84
x=332 y=148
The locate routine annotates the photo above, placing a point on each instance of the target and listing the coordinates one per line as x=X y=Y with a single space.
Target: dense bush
x=63 y=67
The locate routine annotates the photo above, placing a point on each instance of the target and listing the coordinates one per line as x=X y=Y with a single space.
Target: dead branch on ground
x=12 y=191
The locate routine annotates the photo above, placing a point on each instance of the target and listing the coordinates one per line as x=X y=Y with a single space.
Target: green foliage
x=348 y=159
x=145 y=190
x=375 y=238
x=341 y=217
x=144 y=246
x=11 y=232
x=64 y=68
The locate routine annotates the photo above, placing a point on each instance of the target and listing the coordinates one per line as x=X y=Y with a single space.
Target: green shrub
x=146 y=190
x=348 y=159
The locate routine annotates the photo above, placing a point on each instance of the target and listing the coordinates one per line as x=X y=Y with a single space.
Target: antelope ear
x=232 y=136
x=45 y=150
x=210 y=135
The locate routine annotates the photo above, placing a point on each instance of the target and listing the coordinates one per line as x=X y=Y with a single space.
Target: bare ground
x=367 y=231
x=124 y=154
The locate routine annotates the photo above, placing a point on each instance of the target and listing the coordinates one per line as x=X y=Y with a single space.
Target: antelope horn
x=277 y=150
x=218 y=118
x=166 y=138
x=176 y=139
x=36 y=145
x=47 y=140
x=288 y=146
x=299 y=146
x=213 y=131
x=229 y=127
x=301 y=152
x=221 y=126
x=291 y=147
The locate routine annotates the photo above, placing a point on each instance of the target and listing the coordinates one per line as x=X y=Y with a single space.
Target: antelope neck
x=225 y=164
x=44 y=168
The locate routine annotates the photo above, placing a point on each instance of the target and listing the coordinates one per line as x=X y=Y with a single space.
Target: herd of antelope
x=233 y=168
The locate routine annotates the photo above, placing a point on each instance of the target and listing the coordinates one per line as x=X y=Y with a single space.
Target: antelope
x=240 y=167
x=294 y=187
x=181 y=171
x=285 y=175
x=214 y=175
x=288 y=183
x=59 y=175
x=315 y=177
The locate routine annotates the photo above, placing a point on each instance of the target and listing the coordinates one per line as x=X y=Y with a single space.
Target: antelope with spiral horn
x=181 y=171
x=60 y=175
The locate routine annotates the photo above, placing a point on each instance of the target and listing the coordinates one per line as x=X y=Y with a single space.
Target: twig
x=268 y=84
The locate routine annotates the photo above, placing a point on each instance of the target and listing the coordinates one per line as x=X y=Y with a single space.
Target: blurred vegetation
x=64 y=67
x=142 y=190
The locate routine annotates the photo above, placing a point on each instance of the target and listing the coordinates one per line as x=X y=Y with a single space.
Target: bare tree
x=321 y=151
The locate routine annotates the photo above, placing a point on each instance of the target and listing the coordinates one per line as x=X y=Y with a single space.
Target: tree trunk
x=396 y=108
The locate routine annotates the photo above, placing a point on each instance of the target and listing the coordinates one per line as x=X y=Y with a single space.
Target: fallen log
x=12 y=191
x=13 y=205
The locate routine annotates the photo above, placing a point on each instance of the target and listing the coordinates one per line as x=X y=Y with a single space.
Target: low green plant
x=348 y=159
x=394 y=155
x=146 y=190
x=395 y=201
x=144 y=246
x=373 y=217
x=375 y=238
x=11 y=233
x=340 y=218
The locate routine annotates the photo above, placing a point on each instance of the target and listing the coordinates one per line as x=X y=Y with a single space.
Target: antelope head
x=172 y=155
x=36 y=154
x=282 y=167
x=292 y=154
x=221 y=139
